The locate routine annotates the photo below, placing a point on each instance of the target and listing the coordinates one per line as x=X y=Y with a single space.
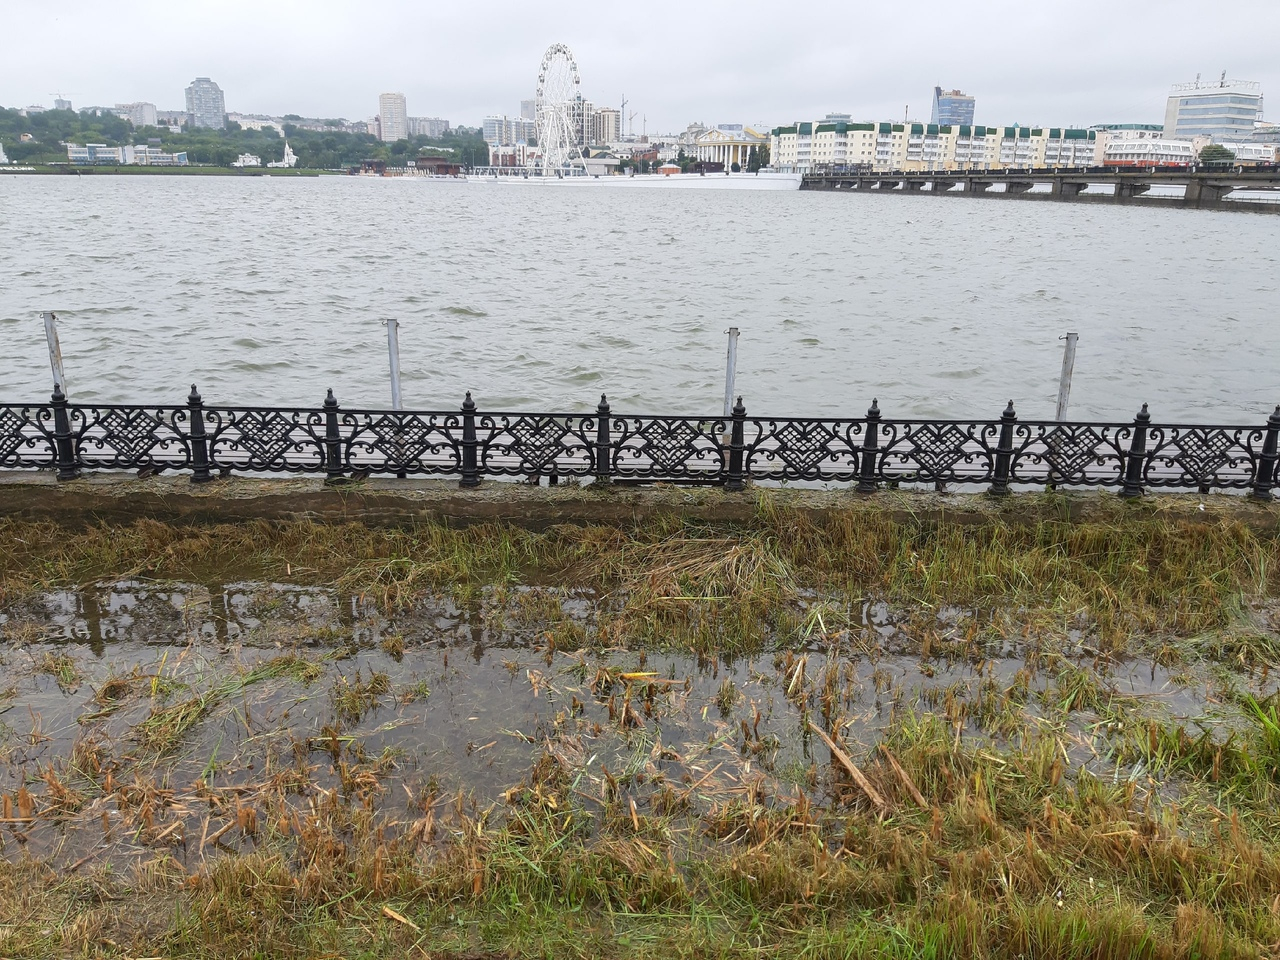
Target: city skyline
x=755 y=67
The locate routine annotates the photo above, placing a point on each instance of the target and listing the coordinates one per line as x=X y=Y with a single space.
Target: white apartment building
x=139 y=114
x=917 y=147
x=428 y=127
x=507 y=131
x=206 y=106
x=607 y=126
x=1071 y=148
x=393 y=113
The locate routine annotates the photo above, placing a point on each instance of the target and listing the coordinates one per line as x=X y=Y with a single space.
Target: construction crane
x=622 y=114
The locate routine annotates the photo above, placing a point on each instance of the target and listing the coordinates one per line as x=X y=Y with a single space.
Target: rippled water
x=270 y=291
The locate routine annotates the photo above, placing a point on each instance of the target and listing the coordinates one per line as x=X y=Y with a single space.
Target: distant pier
x=1201 y=190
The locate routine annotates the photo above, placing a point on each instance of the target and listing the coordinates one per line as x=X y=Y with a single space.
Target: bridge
x=1201 y=190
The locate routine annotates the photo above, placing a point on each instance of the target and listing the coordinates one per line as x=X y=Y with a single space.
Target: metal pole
x=1064 y=381
x=55 y=349
x=731 y=372
x=393 y=357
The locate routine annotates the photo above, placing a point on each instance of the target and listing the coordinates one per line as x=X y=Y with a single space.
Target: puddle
x=466 y=696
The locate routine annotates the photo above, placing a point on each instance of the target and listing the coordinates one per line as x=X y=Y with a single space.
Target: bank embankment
x=636 y=724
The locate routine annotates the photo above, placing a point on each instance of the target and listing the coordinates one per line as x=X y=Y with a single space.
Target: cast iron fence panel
x=531 y=445
x=116 y=436
x=266 y=439
x=669 y=448
x=804 y=449
x=1204 y=457
x=871 y=452
x=380 y=441
x=26 y=436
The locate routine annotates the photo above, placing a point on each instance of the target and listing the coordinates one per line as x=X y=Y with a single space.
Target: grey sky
x=1087 y=61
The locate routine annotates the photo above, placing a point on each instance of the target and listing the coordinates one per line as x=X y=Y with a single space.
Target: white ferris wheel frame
x=554 y=110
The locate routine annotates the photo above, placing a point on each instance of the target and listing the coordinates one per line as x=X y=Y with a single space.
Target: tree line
x=316 y=149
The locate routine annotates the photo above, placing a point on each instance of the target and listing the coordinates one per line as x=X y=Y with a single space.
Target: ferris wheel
x=558 y=111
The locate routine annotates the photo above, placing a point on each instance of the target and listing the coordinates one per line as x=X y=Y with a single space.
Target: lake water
x=270 y=290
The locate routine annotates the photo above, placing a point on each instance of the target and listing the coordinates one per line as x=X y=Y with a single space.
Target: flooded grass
x=847 y=739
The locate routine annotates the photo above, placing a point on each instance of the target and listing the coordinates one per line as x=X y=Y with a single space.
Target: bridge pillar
x=942 y=186
x=1126 y=190
x=912 y=186
x=1200 y=193
x=888 y=184
x=1066 y=189
x=1018 y=186
x=865 y=184
x=976 y=186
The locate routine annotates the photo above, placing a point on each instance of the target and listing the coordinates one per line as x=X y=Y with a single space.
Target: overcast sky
x=1076 y=63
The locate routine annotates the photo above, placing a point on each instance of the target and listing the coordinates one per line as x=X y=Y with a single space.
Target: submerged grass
x=995 y=858
x=1140 y=575
x=165 y=726
x=998 y=845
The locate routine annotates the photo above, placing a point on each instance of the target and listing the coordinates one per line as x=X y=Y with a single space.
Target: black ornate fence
x=869 y=452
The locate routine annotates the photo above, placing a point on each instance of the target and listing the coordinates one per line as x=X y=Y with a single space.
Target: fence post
x=602 y=440
x=470 y=465
x=735 y=480
x=68 y=469
x=55 y=348
x=1064 y=380
x=1004 y=452
x=1137 y=455
x=332 y=441
x=1266 y=476
x=199 y=442
x=867 y=478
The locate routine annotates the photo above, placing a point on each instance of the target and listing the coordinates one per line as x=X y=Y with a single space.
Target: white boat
x=651 y=181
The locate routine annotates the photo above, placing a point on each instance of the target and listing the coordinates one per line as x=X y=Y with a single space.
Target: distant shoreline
x=140 y=170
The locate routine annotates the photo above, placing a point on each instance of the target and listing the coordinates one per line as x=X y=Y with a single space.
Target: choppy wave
x=545 y=299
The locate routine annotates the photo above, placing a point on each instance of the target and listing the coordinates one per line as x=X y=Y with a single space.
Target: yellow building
x=927 y=147
x=728 y=143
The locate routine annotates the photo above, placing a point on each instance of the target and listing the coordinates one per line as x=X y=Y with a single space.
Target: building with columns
x=728 y=143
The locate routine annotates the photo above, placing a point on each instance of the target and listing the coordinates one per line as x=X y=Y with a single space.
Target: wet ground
x=137 y=715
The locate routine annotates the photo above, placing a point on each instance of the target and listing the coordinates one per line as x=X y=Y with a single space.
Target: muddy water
x=466 y=694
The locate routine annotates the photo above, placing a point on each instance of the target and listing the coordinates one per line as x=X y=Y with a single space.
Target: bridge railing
x=867 y=453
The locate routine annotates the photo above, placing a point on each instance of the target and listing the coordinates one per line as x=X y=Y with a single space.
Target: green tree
x=1216 y=154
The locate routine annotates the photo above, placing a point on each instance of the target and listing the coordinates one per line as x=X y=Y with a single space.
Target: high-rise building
x=139 y=114
x=205 y=105
x=607 y=127
x=583 y=119
x=60 y=104
x=951 y=106
x=528 y=109
x=1223 y=109
x=507 y=131
x=428 y=127
x=394 y=112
